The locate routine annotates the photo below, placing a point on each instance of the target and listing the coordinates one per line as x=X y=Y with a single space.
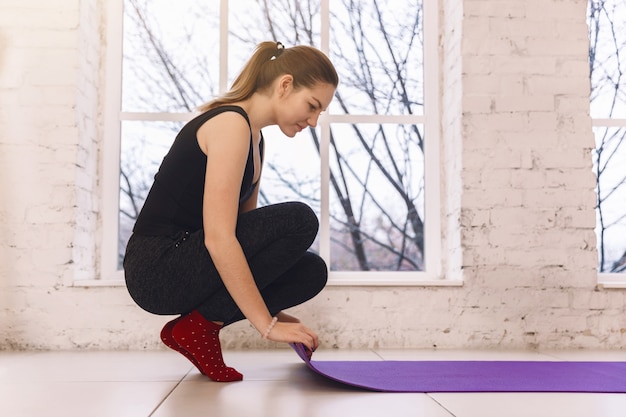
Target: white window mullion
x=157 y=117
x=432 y=216
x=376 y=118
x=325 y=29
x=110 y=168
x=324 y=232
x=609 y=122
x=324 y=121
x=223 y=86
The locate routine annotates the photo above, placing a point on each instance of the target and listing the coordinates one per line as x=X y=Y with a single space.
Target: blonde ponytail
x=269 y=61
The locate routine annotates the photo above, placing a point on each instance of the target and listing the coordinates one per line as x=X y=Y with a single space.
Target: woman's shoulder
x=228 y=119
x=231 y=122
x=231 y=112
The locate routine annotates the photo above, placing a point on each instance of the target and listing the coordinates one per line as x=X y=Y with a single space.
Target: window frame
x=113 y=117
x=606 y=279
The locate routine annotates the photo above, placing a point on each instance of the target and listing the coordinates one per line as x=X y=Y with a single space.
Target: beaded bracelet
x=270 y=327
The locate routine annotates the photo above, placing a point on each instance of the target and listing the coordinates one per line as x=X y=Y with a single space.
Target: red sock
x=166 y=337
x=199 y=337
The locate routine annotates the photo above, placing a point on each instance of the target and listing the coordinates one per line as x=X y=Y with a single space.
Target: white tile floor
x=276 y=384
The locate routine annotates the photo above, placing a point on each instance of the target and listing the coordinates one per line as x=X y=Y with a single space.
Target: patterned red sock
x=166 y=337
x=200 y=339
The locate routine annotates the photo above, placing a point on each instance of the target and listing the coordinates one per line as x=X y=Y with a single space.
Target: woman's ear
x=285 y=85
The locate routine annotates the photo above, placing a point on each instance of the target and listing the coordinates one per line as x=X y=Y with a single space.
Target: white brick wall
x=88 y=108
x=517 y=192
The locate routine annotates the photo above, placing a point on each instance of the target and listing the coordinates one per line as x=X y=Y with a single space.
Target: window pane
x=287 y=21
x=607 y=55
x=377 y=197
x=143 y=146
x=378 y=49
x=171 y=55
x=291 y=169
x=609 y=163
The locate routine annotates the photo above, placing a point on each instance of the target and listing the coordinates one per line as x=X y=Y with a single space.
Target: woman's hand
x=290 y=332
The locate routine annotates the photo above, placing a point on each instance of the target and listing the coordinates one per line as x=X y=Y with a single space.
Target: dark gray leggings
x=174 y=275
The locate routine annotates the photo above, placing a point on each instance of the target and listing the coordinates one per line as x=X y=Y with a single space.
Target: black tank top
x=174 y=202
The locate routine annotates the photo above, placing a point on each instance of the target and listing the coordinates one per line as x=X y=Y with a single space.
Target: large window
x=370 y=168
x=607 y=61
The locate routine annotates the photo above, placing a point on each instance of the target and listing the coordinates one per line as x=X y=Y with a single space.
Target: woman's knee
x=318 y=275
x=305 y=217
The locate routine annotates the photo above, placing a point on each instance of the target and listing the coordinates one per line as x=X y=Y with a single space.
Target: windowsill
x=389 y=279
x=99 y=283
x=611 y=281
x=373 y=279
x=336 y=279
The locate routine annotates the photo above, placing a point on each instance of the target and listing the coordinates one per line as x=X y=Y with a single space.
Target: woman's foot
x=168 y=340
x=199 y=338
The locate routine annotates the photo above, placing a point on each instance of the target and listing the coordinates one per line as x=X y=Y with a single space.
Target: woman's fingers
x=309 y=338
x=315 y=343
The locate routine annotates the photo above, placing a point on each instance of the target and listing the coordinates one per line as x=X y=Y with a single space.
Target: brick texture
x=517 y=193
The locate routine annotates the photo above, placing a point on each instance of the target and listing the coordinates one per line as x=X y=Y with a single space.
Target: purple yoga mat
x=473 y=376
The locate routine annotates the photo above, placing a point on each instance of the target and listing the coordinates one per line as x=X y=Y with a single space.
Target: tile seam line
x=156 y=408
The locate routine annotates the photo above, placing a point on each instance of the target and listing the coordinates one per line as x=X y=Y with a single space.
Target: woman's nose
x=313 y=120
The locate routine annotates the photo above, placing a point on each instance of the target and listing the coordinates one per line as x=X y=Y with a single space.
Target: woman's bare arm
x=227 y=154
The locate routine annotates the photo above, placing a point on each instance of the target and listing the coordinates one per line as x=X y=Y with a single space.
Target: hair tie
x=279 y=50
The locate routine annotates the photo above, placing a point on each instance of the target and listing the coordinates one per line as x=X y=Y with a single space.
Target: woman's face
x=300 y=108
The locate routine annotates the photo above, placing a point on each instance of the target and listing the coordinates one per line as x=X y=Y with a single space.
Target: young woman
x=200 y=247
